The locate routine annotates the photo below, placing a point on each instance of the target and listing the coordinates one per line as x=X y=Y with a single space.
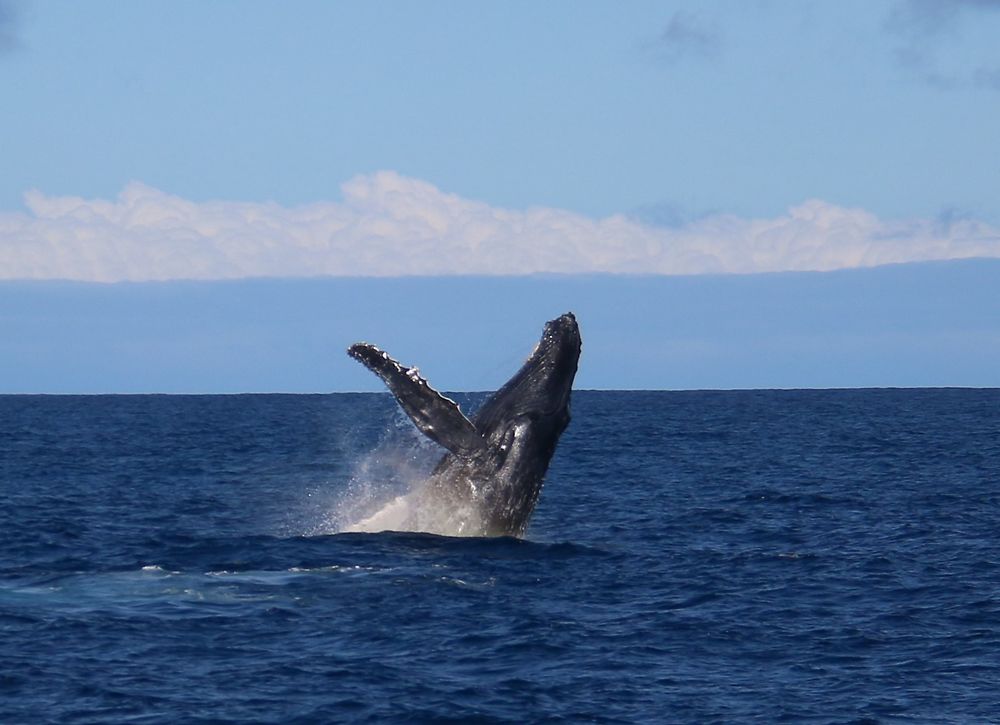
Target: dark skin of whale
x=497 y=460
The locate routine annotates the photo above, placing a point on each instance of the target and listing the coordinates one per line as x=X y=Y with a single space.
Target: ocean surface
x=828 y=556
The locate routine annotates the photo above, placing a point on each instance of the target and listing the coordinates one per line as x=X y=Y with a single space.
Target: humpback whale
x=488 y=481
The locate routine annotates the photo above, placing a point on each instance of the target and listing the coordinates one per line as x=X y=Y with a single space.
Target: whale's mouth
x=559 y=344
x=562 y=330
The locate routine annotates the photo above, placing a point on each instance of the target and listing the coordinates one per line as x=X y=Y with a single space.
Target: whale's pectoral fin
x=437 y=417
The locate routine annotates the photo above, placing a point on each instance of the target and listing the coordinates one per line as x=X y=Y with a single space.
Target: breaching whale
x=489 y=480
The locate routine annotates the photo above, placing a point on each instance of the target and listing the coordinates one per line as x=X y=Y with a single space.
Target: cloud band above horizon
x=390 y=225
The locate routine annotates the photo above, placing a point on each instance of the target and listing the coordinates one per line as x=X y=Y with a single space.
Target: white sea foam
x=392 y=517
x=422 y=510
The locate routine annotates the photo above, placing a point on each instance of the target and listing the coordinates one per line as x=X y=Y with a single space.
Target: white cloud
x=388 y=225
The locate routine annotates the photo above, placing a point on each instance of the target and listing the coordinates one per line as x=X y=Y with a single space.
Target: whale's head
x=541 y=388
x=522 y=423
x=548 y=374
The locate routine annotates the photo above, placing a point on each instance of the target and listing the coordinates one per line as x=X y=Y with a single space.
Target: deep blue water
x=696 y=557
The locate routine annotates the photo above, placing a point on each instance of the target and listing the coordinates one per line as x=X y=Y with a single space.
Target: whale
x=491 y=473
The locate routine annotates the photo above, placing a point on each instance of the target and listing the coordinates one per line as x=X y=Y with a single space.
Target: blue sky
x=148 y=141
x=677 y=109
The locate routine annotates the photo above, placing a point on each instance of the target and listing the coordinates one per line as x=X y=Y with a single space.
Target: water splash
x=399 y=465
x=390 y=490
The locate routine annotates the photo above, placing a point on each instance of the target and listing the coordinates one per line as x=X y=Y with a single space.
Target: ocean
x=819 y=556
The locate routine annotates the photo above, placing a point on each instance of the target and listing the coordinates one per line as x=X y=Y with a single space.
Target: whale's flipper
x=437 y=417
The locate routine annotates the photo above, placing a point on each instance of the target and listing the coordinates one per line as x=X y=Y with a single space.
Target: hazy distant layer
x=909 y=325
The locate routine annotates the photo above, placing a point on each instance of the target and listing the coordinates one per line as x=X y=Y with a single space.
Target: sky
x=149 y=142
